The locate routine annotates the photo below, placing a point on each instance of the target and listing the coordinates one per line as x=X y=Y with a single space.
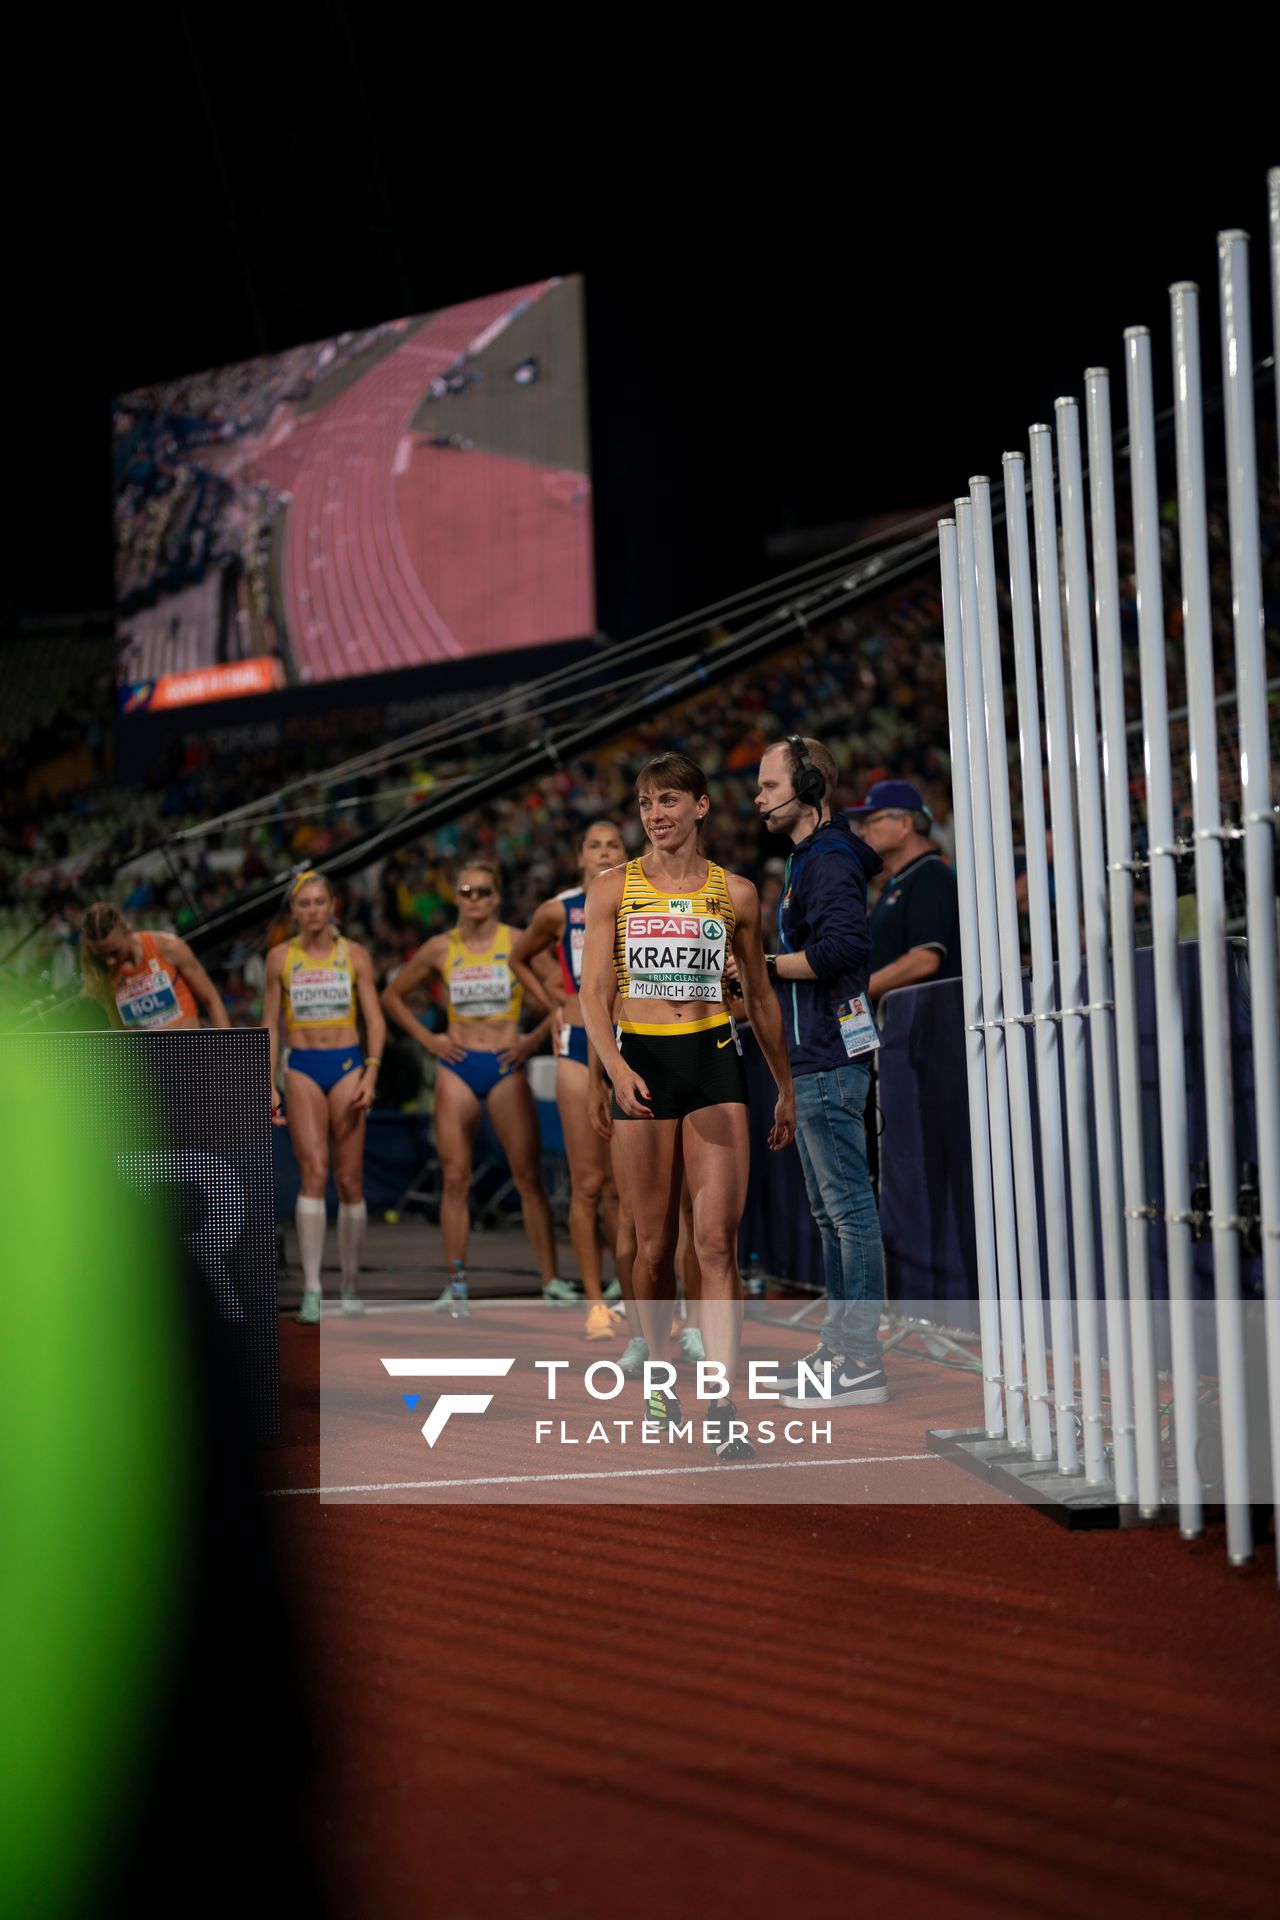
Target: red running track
x=391 y=564
x=941 y=1711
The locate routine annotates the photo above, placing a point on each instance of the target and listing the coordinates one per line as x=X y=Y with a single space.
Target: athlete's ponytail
x=100 y=921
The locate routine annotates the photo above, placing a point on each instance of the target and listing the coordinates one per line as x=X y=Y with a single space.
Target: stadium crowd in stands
x=871 y=684
x=183 y=512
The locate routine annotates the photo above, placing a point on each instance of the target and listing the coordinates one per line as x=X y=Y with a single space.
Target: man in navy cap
x=915 y=924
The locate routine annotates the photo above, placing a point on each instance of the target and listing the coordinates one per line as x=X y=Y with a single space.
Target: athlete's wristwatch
x=771 y=962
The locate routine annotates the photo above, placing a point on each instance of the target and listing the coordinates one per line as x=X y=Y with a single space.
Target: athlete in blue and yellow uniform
x=559 y=928
x=483 y=1054
x=658 y=934
x=321 y=979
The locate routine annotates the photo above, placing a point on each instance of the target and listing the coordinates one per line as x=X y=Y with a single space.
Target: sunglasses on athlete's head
x=474 y=893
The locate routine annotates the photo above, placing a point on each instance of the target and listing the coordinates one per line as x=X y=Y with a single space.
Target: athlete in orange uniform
x=145 y=982
x=323 y=979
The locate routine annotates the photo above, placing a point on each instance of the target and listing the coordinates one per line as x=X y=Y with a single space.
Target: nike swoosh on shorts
x=724 y=1043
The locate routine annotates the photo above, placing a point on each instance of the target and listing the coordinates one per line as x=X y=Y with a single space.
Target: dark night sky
x=786 y=327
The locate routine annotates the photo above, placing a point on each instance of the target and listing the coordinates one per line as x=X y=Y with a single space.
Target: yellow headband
x=302 y=879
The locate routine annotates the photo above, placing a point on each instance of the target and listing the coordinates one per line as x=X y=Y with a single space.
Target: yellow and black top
x=673 y=947
x=480 y=985
x=318 y=993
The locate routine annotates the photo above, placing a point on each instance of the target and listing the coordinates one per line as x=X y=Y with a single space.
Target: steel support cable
x=510 y=708
x=465 y=796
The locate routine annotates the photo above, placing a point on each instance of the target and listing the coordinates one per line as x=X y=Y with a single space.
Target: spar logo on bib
x=674 y=953
x=148 y=999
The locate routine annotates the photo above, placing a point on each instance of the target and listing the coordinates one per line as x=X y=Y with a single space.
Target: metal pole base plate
x=1065 y=1498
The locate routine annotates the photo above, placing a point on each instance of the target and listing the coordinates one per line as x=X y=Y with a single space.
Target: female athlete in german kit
x=483 y=1054
x=657 y=936
x=321 y=977
x=559 y=926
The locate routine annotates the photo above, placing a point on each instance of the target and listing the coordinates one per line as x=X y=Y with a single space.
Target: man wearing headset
x=821 y=978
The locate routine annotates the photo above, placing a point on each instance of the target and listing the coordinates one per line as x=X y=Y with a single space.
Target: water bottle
x=753 y=1279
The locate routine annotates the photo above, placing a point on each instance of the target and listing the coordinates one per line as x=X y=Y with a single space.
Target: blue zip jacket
x=824 y=916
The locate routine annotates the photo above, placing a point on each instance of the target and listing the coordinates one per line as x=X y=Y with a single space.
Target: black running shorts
x=686 y=1071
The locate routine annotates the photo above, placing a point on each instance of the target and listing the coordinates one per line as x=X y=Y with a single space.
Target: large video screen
x=413 y=493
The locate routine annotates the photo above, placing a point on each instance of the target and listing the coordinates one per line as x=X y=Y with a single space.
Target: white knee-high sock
x=310 y=1222
x=351 y=1225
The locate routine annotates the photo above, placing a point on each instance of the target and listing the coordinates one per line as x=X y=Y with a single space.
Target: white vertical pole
x=971 y=974
x=1057 y=735
x=1261 y=823
x=1048 y=1072
x=1273 y=204
x=1094 y=879
x=1210 y=901
x=1011 y=973
x=994 y=1035
x=1115 y=761
x=1175 y=1155
x=1269 y=1275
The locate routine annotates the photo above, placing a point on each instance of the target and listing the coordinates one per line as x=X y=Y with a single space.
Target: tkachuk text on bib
x=483 y=992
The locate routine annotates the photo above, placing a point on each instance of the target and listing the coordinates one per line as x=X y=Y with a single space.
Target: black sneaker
x=789 y=1376
x=728 y=1448
x=853 y=1384
x=662 y=1408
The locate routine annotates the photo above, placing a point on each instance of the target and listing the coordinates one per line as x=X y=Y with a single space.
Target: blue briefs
x=480 y=1071
x=572 y=1045
x=325 y=1065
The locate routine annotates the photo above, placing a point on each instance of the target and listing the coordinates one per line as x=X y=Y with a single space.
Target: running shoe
x=352 y=1304
x=662 y=1407
x=822 y=1356
x=308 y=1314
x=853 y=1384
x=730 y=1449
x=634 y=1355
x=691 y=1347
x=600 y=1322
x=614 y=1289
x=453 y=1301
x=561 y=1293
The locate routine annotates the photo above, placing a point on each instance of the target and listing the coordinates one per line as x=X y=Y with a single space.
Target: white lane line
x=619 y=1473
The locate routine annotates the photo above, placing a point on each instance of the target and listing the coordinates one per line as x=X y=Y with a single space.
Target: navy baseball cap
x=891 y=796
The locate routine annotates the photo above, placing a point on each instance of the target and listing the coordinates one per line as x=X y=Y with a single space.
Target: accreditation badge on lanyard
x=857 y=1026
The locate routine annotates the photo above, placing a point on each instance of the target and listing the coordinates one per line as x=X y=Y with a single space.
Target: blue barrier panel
x=397 y=1146
x=926 y=1199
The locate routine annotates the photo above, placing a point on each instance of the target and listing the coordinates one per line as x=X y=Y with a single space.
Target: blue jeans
x=831 y=1135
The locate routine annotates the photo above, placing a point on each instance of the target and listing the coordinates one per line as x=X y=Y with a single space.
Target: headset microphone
x=808 y=784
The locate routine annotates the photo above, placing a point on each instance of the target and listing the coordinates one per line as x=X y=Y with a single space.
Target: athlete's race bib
x=320 y=996
x=674 y=955
x=481 y=992
x=148 y=999
x=577 y=941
